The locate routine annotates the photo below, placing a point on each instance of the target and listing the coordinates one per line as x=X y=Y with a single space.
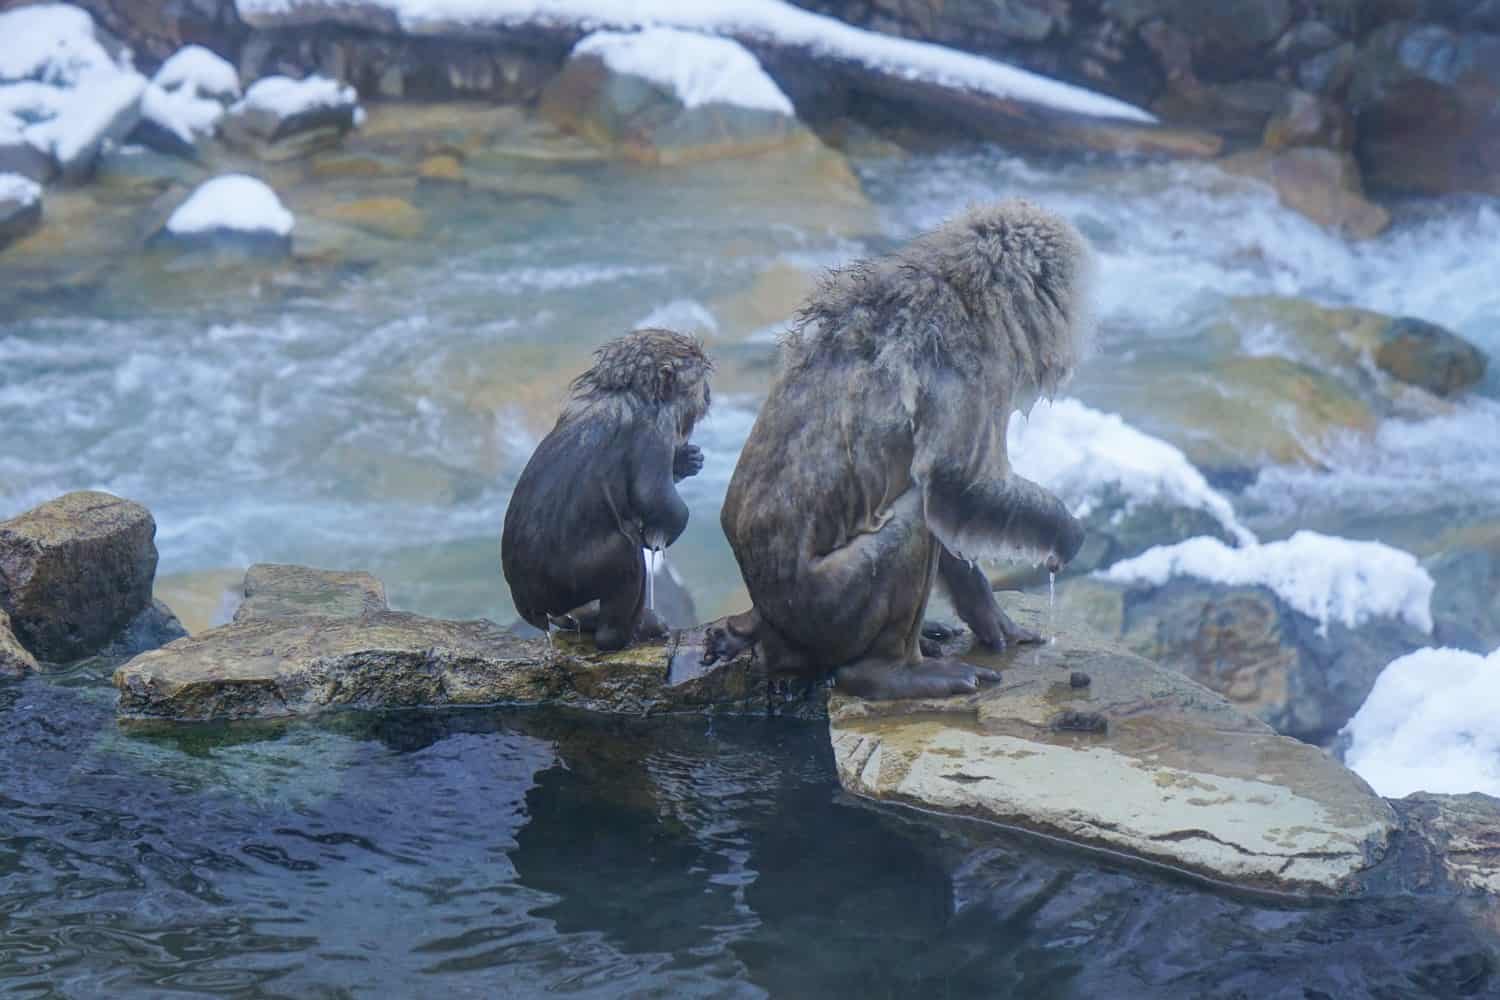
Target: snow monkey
x=877 y=465
x=601 y=487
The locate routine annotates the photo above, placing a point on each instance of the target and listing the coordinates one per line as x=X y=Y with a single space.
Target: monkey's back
x=571 y=497
x=829 y=453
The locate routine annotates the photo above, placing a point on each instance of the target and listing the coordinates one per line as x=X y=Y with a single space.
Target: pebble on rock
x=1079 y=679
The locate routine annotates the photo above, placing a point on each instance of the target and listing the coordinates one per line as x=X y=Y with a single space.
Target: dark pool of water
x=512 y=852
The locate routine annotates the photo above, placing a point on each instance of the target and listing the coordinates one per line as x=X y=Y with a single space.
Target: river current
x=376 y=421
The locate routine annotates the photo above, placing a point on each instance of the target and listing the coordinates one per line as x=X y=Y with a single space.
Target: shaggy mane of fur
x=634 y=363
x=1002 y=287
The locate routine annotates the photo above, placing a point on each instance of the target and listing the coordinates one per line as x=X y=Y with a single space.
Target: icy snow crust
x=235 y=202
x=1328 y=579
x=699 y=69
x=24 y=190
x=1431 y=723
x=768 y=20
x=1076 y=451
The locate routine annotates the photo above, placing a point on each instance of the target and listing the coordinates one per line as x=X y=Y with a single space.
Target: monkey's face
x=694 y=399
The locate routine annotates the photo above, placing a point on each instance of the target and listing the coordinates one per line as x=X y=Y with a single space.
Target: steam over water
x=378 y=423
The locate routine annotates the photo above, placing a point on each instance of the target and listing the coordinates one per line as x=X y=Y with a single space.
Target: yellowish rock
x=441 y=168
x=391 y=217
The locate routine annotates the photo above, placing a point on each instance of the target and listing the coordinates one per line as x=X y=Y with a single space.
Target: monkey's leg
x=621 y=605
x=974 y=600
x=892 y=665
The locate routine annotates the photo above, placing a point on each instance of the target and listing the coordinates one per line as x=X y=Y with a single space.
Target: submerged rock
x=15 y=661
x=1177 y=775
x=75 y=572
x=308 y=640
x=1424 y=354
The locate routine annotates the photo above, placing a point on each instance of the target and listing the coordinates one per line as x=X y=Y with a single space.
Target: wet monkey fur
x=878 y=465
x=601 y=486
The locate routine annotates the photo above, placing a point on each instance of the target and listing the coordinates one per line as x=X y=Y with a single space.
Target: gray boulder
x=75 y=572
x=1141 y=760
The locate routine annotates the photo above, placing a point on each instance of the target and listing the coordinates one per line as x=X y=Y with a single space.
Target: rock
x=1425 y=99
x=15 y=661
x=139 y=173
x=1466 y=601
x=1192 y=782
x=391 y=217
x=17 y=156
x=1240 y=109
x=280 y=118
x=281 y=658
x=153 y=628
x=1328 y=73
x=441 y=168
x=274 y=591
x=232 y=213
x=1308 y=120
x=20 y=207
x=1426 y=355
x=75 y=572
x=353 y=165
x=610 y=93
x=1455 y=840
x=1269 y=660
x=1321 y=184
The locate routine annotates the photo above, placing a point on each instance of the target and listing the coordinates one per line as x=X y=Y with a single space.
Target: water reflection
x=514 y=852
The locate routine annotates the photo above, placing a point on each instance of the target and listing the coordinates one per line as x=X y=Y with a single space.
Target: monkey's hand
x=687 y=461
x=724 y=640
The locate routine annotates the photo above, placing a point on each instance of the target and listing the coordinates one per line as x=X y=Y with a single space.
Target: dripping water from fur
x=652 y=557
x=1051 y=606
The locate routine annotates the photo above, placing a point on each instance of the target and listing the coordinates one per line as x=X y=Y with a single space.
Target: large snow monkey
x=877 y=465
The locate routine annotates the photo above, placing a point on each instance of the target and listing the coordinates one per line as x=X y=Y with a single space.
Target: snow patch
x=1077 y=451
x=21 y=191
x=284 y=97
x=1326 y=578
x=771 y=21
x=198 y=72
x=101 y=106
x=50 y=43
x=184 y=114
x=235 y=202
x=699 y=69
x=1430 y=724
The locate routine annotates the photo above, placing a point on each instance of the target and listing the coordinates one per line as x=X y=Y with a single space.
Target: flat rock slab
x=75 y=571
x=307 y=641
x=1177 y=775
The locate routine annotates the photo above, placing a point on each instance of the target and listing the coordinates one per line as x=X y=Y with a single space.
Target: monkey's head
x=655 y=368
x=999 y=292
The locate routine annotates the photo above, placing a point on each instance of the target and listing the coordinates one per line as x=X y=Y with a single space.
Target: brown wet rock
x=75 y=571
x=1193 y=782
x=1322 y=184
x=394 y=218
x=14 y=660
x=1424 y=354
x=308 y=641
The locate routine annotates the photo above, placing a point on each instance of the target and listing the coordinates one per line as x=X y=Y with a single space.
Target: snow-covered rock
x=199 y=72
x=20 y=206
x=233 y=211
x=61 y=92
x=1430 y=724
x=697 y=69
x=281 y=118
x=1327 y=579
x=185 y=100
x=51 y=43
x=773 y=23
x=663 y=95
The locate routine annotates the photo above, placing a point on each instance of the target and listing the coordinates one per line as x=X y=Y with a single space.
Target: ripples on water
x=492 y=853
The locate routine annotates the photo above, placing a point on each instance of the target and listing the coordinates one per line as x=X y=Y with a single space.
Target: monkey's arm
x=653 y=496
x=974 y=504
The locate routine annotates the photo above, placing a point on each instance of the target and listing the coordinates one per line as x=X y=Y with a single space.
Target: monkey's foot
x=725 y=641
x=651 y=627
x=884 y=680
x=1009 y=633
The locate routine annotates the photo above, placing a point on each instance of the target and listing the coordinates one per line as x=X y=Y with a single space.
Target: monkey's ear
x=666 y=382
